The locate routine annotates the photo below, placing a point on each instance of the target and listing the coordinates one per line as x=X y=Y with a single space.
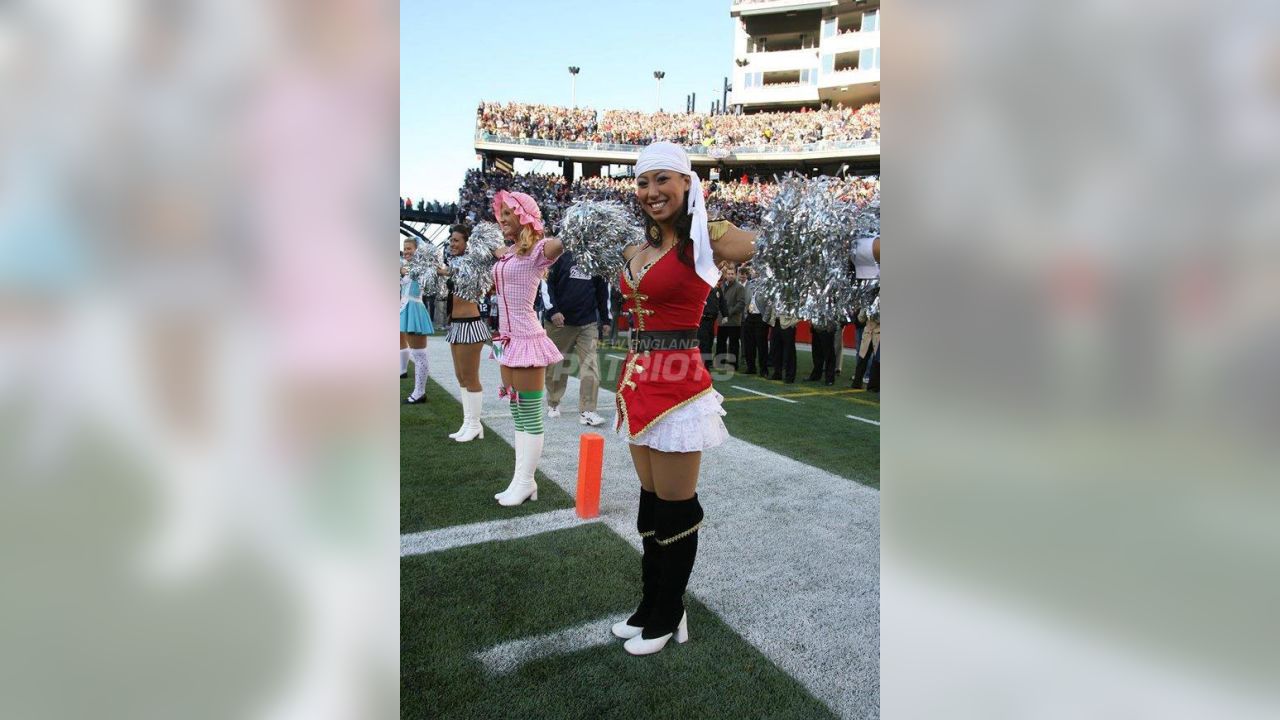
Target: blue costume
x=414 y=317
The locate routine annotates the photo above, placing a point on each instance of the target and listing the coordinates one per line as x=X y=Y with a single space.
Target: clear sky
x=454 y=54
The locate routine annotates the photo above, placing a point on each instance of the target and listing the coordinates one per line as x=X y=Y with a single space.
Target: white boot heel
x=475 y=430
x=638 y=645
x=517 y=495
x=472 y=402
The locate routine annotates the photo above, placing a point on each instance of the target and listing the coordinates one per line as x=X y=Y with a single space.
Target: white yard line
x=506 y=657
x=430 y=541
x=757 y=392
x=869 y=422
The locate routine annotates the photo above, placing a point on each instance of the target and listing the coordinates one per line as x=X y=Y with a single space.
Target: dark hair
x=462 y=228
x=684 y=231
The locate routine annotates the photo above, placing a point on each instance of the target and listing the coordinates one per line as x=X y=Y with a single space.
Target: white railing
x=740 y=4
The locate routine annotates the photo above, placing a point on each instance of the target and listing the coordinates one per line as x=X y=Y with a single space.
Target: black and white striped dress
x=464 y=331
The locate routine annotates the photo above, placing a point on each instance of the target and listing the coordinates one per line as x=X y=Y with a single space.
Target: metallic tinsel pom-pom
x=867 y=296
x=803 y=252
x=596 y=231
x=472 y=272
x=867 y=222
x=422 y=267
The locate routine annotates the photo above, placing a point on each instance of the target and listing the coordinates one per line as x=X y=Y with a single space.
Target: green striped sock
x=531 y=408
x=517 y=415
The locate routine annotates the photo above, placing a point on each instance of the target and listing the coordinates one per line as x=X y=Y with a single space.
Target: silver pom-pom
x=596 y=232
x=803 y=251
x=867 y=222
x=472 y=271
x=867 y=294
x=422 y=268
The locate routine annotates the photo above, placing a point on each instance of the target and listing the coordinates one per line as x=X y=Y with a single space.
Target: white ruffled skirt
x=693 y=428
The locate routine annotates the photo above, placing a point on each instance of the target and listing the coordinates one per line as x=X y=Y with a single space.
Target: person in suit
x=755 y=332
x=823 y=348
x=733 y=304
x=782 y=346
x=707 y=327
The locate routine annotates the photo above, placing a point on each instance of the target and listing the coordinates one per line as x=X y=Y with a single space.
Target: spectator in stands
x=741 y=204
x=787 y=130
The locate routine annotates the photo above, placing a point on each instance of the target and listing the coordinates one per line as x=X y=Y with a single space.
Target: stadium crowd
x=780 y=130
x=741 y=202
x=429 y=206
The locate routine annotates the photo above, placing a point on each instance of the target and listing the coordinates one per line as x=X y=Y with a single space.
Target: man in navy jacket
x=577 y=306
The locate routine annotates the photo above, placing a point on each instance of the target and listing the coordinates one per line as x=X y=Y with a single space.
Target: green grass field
x=465 y=604
x=445 y=483
x=459 y=602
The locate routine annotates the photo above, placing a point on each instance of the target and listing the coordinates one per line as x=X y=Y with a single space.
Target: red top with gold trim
x=666 y=295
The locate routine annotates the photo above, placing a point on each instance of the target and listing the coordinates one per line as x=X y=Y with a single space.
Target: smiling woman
x=667 y=406
x=521 y=345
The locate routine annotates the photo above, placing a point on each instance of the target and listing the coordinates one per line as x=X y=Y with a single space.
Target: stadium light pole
x=658 y=75
x=573 y=79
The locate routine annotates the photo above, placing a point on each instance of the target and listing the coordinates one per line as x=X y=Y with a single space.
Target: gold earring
x=653 y=232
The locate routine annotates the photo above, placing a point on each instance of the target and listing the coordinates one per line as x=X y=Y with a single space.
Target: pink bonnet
x=524 y=207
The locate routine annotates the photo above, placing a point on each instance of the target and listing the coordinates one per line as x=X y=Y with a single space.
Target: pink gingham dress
x=523 y=341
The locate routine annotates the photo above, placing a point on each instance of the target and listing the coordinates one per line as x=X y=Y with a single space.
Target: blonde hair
x=527 y=238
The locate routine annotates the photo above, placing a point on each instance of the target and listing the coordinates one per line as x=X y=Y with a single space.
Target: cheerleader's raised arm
x=733 y=245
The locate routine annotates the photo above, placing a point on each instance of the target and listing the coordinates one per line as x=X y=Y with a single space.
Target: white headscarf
x=669 y=156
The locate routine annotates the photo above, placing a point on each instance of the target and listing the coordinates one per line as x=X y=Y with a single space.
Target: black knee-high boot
x=649 y=560
x=677 y=540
